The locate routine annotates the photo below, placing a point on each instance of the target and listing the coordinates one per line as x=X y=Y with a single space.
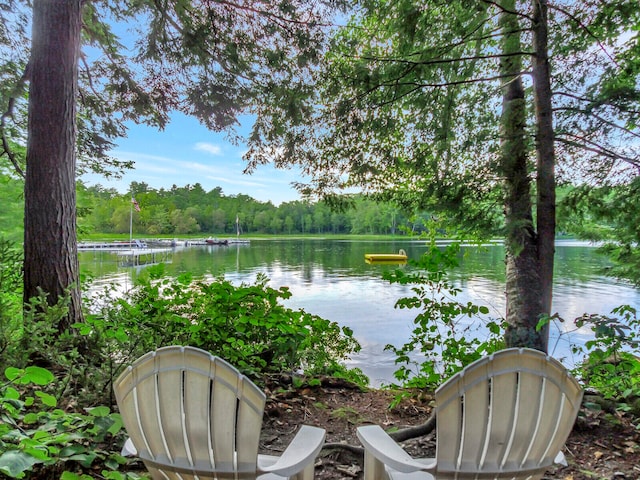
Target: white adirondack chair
x=191 y=415
x=505 y=416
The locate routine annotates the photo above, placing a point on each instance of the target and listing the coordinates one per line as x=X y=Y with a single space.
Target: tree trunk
x=546 y=204
x=50 y=245
x=523 y=289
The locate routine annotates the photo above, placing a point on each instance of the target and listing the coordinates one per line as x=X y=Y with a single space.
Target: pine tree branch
x=585 y=28
x=438 y=61
x=599 y=118
x=8 y=114
x=502 y=9
x=282 y=21
x=582 y=142
x=87 y=70
x=178 y=28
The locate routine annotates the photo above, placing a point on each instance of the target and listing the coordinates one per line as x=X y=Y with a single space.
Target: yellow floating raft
x=400 y=257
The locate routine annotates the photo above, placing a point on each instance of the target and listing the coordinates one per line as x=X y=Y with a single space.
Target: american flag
x=135 y=204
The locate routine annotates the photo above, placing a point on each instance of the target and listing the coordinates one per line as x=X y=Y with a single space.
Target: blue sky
x=185 y=152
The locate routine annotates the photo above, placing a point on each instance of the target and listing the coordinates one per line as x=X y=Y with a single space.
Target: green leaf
x=112 y=475
x=74 y=476
x=14 y=463
x=117 y=424
x=69 y=476
x=11 y=393
x=41 y=435
x=30 y=418
x=71 y=450
x=48 y=400
x=84 y=459
x=99 y=411
x=39 y=453
x=592 y=406
x=111 y=463
x=12 y=373
x=37 y=375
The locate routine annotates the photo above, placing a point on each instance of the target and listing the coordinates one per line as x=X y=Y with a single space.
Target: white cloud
x=162 y=161
x=246 y=183
x=208 y=148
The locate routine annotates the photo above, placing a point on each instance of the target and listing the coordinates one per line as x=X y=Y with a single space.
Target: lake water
x=331 y=279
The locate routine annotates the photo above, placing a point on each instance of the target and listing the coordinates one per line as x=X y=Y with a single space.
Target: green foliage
x=35 y=432
x=246 y=325
x=608 y=214
x=348 y=414
x=190 y=210
x=441 y=337
x=77 y=360
x=404 y=114
x=34 y=335
x=217 y=62
x=612 y=361
x=10 y=295
x=11 y=199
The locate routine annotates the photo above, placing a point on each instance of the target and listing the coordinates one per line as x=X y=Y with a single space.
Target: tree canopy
x=410 y=97
x=142 y=60
x=407 y=101
x=86 y=79
x=416 y=103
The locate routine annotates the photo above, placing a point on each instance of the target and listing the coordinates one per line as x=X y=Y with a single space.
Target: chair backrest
x=510 y=412
x=190 y=412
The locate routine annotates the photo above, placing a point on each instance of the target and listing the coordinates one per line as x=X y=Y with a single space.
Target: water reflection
x=331 y=279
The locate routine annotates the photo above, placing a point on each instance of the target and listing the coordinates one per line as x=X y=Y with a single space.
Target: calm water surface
x=330 y=278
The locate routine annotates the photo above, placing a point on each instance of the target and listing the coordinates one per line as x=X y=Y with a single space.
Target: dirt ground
x=601 y=446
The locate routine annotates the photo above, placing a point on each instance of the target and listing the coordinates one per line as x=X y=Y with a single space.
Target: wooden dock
x=143 y=256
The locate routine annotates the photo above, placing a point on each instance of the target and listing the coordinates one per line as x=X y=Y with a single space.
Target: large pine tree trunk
x=50 y=245
x=523 y=288
x=546 y=207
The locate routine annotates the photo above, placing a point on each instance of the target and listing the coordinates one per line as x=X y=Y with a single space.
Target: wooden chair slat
x=191 y=415
x=505 y=416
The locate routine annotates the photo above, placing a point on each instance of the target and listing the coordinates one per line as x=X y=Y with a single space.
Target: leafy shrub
x=76 y=362
x=246 y=325
x=440 y=336
x=611 y=359
x=10 y=295
x=36 y=434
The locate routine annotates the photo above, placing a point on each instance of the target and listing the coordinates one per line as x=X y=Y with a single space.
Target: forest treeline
x=191 y=209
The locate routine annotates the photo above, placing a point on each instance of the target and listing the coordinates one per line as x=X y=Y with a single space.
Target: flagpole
x=131 y=225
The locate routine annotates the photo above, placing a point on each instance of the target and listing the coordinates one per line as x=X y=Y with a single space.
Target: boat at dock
x=215 y=241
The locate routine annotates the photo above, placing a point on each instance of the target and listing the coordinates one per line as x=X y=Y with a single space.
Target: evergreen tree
x=411 y=111
x=214 y=60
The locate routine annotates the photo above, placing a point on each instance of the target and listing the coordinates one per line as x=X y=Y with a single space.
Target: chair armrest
x=385 y=449
x=129 y=449
x=560 y=459
x=302 y=451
